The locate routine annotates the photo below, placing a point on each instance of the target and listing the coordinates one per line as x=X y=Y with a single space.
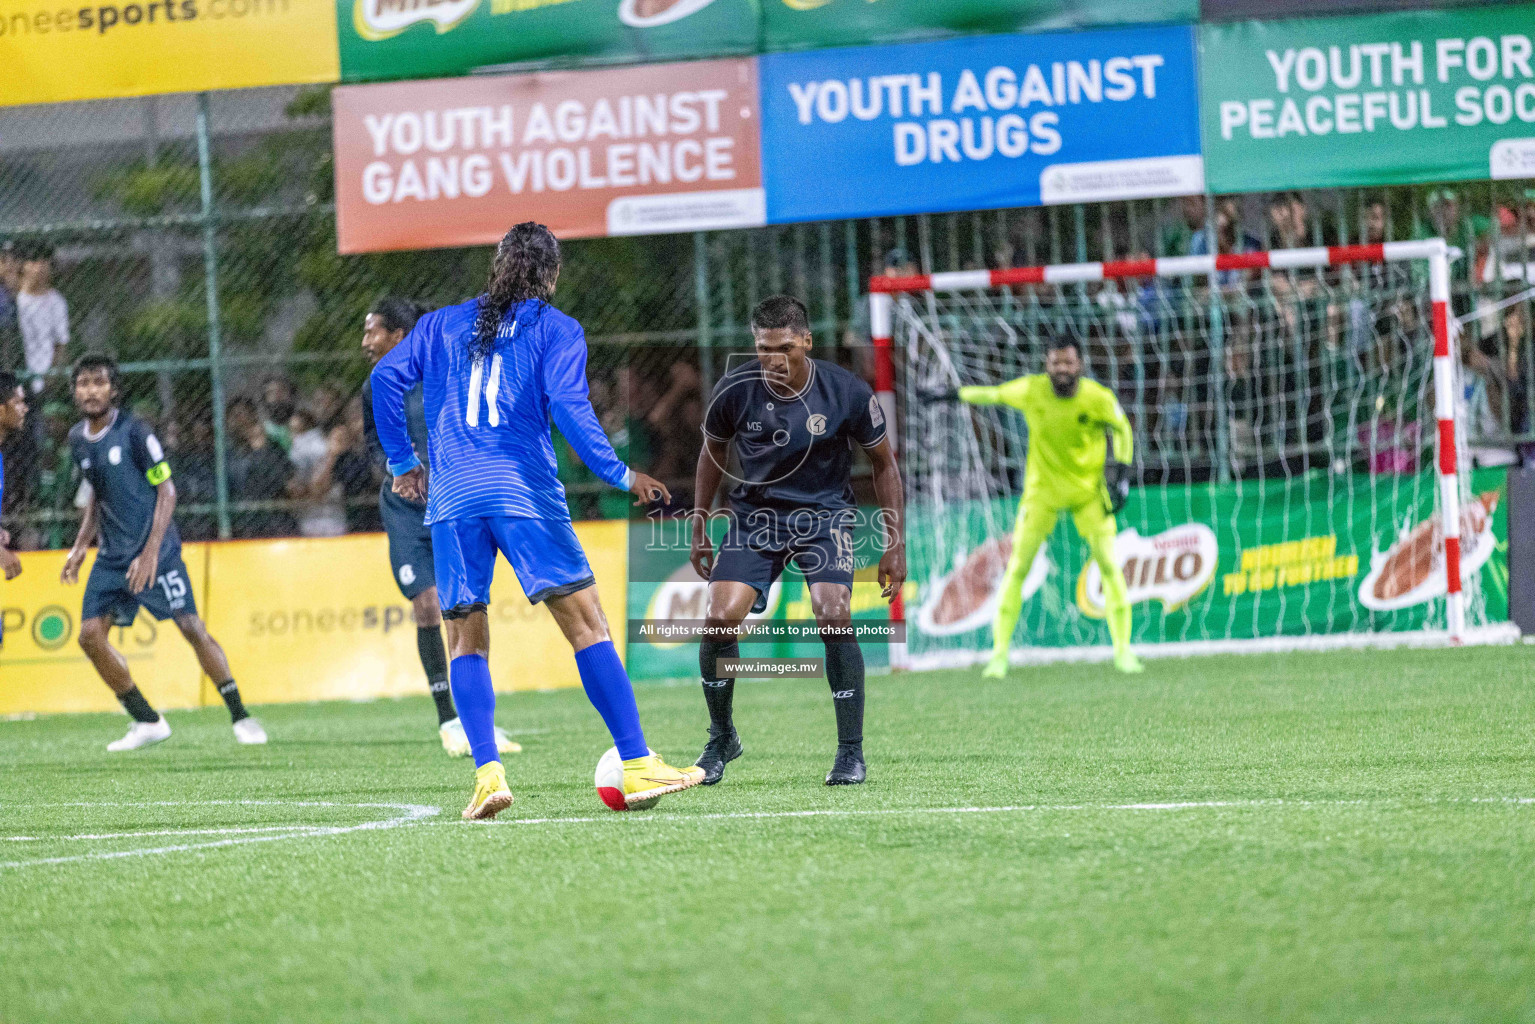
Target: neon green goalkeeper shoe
x=1128 y=663
x=996 y=668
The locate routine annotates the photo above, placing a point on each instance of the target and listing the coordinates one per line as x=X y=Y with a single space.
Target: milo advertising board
x=1312 y=555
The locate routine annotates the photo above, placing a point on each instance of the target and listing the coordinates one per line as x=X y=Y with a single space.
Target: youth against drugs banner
x=981 y=123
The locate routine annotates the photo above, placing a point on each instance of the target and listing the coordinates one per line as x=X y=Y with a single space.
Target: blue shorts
x=544 y=553
x=168 y=595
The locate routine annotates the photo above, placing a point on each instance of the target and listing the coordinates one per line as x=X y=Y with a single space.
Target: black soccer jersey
x=415 y=425
x=795 y=452
x=123 y=464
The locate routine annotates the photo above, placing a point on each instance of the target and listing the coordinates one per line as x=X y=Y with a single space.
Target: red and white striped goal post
x=1434 y=251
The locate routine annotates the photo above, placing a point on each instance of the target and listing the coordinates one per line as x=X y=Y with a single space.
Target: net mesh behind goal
x=1288 y=480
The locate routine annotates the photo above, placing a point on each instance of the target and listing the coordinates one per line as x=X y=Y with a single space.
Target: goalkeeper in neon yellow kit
x=1067 y=417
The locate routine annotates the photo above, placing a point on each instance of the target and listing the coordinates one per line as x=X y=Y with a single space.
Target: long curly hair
x=526 y=266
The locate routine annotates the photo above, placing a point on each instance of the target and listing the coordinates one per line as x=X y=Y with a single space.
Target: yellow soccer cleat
x=648 y=779
x=453 y=739
x=1128 y=663
x=996 y=668
x=491 y=796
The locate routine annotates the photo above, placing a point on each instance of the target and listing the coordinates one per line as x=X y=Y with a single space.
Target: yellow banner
x=53 y=50
x=41 y=666
x=299 y=619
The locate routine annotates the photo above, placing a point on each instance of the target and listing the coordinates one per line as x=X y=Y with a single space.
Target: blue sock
x=608 y=688
x=469 y=678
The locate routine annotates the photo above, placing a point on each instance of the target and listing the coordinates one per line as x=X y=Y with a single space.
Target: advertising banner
x=1372 y=100
x=54 y=52
x=1238 y=561
x=641 y=150
x=386 y=39
x=325 y=622
x=802 y=24
x=988 y=122
x=1240 y=10
x=42 y=668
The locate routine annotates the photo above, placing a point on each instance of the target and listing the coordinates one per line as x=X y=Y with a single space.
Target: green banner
x=800 y=24
x=1306 y=556
x=1372 y=100
x=383 y=39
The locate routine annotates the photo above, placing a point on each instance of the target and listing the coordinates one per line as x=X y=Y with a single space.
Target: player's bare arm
x=9 y=563
x=892 y=506
x=70 y=574
x=706 y=484
x=141 y=571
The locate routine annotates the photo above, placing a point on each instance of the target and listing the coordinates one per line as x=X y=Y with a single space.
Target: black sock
x=718 y=693
x=137 y=707
x=231 y=694
x=434 y=659
x=844 y=671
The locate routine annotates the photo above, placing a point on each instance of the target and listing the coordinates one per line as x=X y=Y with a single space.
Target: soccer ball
x=610 y=784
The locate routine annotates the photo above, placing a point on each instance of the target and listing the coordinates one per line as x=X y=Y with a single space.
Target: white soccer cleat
x=505 y=744
x=142 y=734
x=249 y=732
x=453 y=739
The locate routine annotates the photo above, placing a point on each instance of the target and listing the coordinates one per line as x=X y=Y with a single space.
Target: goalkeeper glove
x=1116 y=475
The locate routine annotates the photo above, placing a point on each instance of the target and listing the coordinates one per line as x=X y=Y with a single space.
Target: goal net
x=1295 y=428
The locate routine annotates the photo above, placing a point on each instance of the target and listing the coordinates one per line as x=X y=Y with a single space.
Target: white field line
x=409 y=814
x=161 y=832
x=1181 y=805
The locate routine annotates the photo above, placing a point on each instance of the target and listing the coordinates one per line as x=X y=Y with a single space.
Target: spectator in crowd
x=321 y=511
x=1482 y=397
x=277 y=405
x=1518 y=368
x=1288 y=221
x=357 y=474
x=10 y=284
x=41 y=313
x=259 y=472
x=1182 y=237
x=193 y=459
x=328 y=405
x=1372 y=228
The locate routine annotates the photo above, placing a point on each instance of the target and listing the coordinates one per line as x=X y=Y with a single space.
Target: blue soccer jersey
x=488 y=418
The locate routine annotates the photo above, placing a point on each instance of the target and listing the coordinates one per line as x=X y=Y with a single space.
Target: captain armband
x=158 y=473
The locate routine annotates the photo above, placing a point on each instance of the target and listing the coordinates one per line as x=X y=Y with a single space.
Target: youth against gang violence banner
x=1373 y=100
x=55 y=50
x=980 y=123
x=640 y=150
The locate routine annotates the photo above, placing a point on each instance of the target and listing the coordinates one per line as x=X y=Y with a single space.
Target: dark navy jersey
x=415 y=425
x=124 y=465
x=795 y=452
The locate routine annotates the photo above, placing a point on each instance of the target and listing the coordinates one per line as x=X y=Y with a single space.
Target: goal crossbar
x=1434 y=252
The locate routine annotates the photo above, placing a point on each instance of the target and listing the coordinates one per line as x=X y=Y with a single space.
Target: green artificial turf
x=1356 y=852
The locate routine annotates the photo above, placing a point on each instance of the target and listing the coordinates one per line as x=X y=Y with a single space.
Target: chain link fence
x=192 y=237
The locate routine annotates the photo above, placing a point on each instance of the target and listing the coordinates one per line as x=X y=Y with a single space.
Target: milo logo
x=380 y=19
x=684 y=596
x=1172 y=567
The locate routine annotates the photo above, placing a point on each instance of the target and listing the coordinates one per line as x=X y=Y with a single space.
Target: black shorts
x=410 y=543
x=168 y=594
x=758 y=546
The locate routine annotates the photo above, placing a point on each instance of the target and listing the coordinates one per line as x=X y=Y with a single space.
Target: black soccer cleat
x=718 y=752
x=848 y=769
